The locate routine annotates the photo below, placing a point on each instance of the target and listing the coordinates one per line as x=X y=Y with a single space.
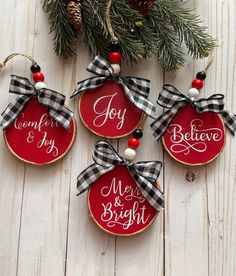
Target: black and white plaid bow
x=145 y=174
x=51 y=99
x=172 y=98
x=136 y=89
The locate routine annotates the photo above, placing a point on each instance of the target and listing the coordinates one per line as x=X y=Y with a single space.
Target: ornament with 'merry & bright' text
x=124 y=197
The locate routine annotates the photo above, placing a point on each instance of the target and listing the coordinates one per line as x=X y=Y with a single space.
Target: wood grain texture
x=46 y=230
x=12 y=172
x=148 y=245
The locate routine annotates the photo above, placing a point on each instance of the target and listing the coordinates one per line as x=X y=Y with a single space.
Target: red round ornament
x=36 y=138
x=115 y=57
x=38 y=76
x=198 y=84
x=107 y=111
x=117 y=205
x=133 y=143
x=194 y=138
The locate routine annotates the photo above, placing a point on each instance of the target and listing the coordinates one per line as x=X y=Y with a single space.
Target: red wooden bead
x=197 y=84
x=38 y=76
x=133 y=143
x=115 y=57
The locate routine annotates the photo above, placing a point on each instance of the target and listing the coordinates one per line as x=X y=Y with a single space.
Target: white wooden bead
x=193 y=93
x=129 y=154
x=39 y=85
x=116 y=68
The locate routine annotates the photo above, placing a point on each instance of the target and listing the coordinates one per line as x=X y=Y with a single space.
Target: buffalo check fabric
x=174 y=100
x=49 y=98
x=136 y=89
x=145 y=174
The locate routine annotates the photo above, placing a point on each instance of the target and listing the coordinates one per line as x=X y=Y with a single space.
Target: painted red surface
x=194 y=138
x=117 y=205
x=108 y=112
x=35 y=137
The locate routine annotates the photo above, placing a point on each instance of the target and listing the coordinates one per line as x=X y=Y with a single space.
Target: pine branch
x=163 y=32
x=134 y=46
x=94 y=32
x=188 y=27
x=169 y=52
x=65 y=37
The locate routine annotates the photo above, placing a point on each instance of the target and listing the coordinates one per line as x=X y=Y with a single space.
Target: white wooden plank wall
x=45 y=229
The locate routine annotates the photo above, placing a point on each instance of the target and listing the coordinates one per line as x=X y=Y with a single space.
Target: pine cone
x=143 y=6
x=74 y=13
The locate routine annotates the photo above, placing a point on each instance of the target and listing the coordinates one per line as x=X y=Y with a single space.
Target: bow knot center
x=40 y=92
x=115 y=77
x=126 y=163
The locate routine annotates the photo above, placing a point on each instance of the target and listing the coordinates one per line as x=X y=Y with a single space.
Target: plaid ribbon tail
x=105 y=158
x=13 y=110
x=214 y=103
x=20 y=86
x=137 y=92
x=105 y=155
x=140 y=85
x=88 y=84
x=103 y=71
x=153 y=195
x=55 y=103
x=229 y=120
x=146 y=175
x=171 y=98
x=89 y=175
x=170 y=95
x=63 y=116
x=149 y=169
x=160 y=125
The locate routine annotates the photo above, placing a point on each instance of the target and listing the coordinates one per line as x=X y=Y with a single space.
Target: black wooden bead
x=35 y=68
x=201 y=75
x=138 y=134
x=114 y=47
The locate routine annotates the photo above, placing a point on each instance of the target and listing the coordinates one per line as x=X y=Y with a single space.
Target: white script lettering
x=196 y=139
x=107 y=112
x=36 y=126
x=115 y=213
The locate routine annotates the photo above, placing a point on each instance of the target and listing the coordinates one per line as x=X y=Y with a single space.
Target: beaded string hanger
x=198 y=83
x=114 y=55
x=35 y=69
x=11 y=56
x=37 y=127
x=134 y=141
x=115 y=59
